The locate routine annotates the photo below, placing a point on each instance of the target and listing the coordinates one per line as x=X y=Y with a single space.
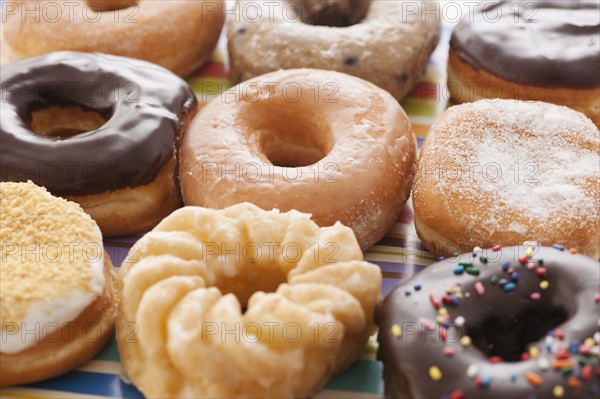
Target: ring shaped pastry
x=122 y=171
x=320 y=142
x=178 y=35
x=389 y=47
x=512 y=322
x=308 y=300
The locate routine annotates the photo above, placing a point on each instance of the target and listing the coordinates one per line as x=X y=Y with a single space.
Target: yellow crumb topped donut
x=243 y=302
x=56 y=292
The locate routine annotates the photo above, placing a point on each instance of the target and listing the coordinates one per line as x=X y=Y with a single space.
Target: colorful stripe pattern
x=400 y=255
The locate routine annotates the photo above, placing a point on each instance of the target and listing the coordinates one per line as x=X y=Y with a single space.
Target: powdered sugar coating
x=512 y=167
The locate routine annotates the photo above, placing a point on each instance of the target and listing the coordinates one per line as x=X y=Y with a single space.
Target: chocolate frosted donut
x=532 y=50
x=140 y=107
x=515 y=322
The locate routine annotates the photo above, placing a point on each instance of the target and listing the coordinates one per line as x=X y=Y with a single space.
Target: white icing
x=45 y=318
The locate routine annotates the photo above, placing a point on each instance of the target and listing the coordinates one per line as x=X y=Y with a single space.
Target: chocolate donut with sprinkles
x=513 y=322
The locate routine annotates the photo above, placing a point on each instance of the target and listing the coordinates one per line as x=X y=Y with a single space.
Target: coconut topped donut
x=53 y=272
x=307 y=294
x=389 y=47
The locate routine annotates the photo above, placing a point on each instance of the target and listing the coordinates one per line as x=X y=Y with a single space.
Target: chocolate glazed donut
x=515 y=322
x=142 y=108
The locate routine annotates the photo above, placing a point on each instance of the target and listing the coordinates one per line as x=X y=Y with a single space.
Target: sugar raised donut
x=178 y=35
x=320 y=142
x=504 y=171
x=56 y=287
x=389 y=47
x=543 y=50
x=100 y=130
x=308 y=300
x=518 y=322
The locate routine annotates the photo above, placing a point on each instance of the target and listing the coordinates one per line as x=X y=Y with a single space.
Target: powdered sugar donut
x=389 y=47
x=506 y=171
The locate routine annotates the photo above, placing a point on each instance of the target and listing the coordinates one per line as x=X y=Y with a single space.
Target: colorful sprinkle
x=434 y=300
x=524 y=356
x=483 y=382
x=559 y=334
x=505 y=266
x=479 y=288
x=561 y=363
x=529 y=251
x=586 y=372
x=514 y=276
x=459 y=270
x=558 y=391
x=435 y=373
x=448 y=351
x=534 y=378
x=459 y=321
x=483 y=259
x=496 y=248
x=597 y=297
x=573 y=250
x=559 y=247
x=440 y=258
x=540 y=262
x=541 y=271
x=573 y=382
x=530 y=265
x=535 y=296
x=473 y=370
x=510 y=287
x=418 y=287
x=465 y=341
x=534 y=352
x=458 y=394
x=495 y=359
x=396 y=331
x=544 y=285
x=543 y=364
x=562 y=354
x=473 y=271
x=523 y=260
x=407 y=293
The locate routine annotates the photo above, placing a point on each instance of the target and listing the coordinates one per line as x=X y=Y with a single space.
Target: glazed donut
x=503 y=171
x=518 y=322
x=543 y=50
x=179 y=36
x=57 y=299
x=308 y=300
x=389 y=47
x=320 y=142
x=99 y=130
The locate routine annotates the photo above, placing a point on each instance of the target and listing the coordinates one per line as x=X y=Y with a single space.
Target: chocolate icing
x=145 y=106
x=544 y=43
x=503 y=321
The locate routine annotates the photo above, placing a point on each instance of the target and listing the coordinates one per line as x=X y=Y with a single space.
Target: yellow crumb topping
x=46 y=246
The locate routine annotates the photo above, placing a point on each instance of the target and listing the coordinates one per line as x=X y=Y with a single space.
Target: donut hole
x=64 y=121
x=335 y=13
x=110 y=5
x=294 y=137
x=510 y=338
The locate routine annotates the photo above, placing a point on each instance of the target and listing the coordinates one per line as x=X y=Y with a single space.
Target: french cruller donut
x=97 y=129
x=320 y=142
x=57 y=295
x=389 y=47
x=511 y=322
x=243 y=302
x=178 y=35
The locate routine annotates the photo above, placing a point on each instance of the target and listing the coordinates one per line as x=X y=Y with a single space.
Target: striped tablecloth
x=399 y=254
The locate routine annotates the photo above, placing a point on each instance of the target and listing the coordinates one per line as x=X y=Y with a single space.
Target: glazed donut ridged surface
x=389 y=47
x=505 y=171
x=309 y=301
